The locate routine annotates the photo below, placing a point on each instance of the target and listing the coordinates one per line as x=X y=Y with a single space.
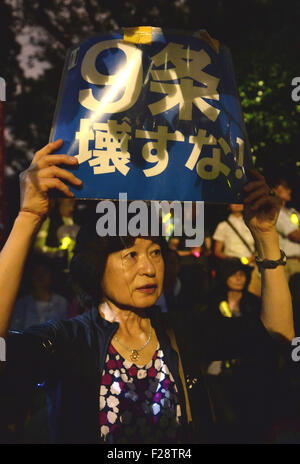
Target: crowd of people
x=250 y=393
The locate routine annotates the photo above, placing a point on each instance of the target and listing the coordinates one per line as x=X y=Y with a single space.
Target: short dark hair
x=230 y=266
x=90 y=256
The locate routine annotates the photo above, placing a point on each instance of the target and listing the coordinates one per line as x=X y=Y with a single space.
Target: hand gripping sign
x=155 y=114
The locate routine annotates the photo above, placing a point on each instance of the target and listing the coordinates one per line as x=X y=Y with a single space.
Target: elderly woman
x=115 y=373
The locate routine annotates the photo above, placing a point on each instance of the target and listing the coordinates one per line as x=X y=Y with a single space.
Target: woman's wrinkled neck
x=114 y=313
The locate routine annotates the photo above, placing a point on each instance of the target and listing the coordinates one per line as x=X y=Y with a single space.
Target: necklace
x=135 y=353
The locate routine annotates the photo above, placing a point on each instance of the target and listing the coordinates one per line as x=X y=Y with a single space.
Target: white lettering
x=296 y=351
x=129 y=76
x=296 y=91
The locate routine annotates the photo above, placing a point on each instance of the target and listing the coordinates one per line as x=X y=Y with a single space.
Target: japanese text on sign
x=111 y=139
x=111 y=149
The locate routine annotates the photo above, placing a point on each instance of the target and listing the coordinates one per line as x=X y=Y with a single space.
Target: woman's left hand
x=261 y=209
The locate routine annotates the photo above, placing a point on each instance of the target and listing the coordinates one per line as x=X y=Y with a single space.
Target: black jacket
x=69 y=357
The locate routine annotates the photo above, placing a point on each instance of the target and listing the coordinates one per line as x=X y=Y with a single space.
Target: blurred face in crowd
x=41 y=278
x=283 y=191
x=133 y=277
x=236 y=208
x=66 y=207
x=237 y=281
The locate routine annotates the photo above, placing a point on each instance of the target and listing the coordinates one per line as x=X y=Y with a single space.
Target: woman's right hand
x=42 y=176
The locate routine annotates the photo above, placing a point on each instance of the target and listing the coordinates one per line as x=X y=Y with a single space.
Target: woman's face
x=134 y=276
x=236 y=281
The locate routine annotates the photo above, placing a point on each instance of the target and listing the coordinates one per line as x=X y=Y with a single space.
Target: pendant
x=134 y=355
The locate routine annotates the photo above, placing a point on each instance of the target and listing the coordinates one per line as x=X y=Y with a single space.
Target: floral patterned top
x=138 y=404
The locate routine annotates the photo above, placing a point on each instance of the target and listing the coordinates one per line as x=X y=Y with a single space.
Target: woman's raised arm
x=35 y=183
x=260 y=214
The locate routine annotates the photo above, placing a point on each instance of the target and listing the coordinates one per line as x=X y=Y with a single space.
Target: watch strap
x=269 y=264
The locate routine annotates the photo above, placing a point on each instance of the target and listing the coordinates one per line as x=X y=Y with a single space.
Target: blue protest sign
x=154 y=114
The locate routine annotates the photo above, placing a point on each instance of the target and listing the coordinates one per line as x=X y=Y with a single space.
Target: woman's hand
x=42 y=176
x=261 y=209
x=260 y=214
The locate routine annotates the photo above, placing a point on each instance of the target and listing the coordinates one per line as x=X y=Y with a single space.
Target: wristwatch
x=269 y=264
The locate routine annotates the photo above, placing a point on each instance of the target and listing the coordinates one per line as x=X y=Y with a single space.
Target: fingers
x=54 y=171
x=55 y=183
x=256 y=174
x=257 y=193
x=258 y=180
x=266 y=202
x=258 y=190
x=260 y=202
x=50 y=160
x=252 y=185
x=44 y=167
x=47 y=149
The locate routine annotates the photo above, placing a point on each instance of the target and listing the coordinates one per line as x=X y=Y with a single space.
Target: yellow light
x=225 y=310
x=65 y=242
x=166 y=218
x=169 y=228
x=295 y=219
x=244 y=260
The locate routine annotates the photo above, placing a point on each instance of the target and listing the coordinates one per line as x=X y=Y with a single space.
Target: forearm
x=277 y=312
x=12 y=260
x=42 y=176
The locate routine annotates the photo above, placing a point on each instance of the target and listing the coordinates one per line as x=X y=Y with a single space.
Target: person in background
x=47 y=240
x=288 y=227
x=231 y=297
x=42 y=303
x=240 y=387
x=233 y=239
x=56 y=239
x=228 y=244
x=172 y=289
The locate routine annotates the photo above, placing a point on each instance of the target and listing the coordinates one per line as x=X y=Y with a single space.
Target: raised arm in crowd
x=44 y=174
